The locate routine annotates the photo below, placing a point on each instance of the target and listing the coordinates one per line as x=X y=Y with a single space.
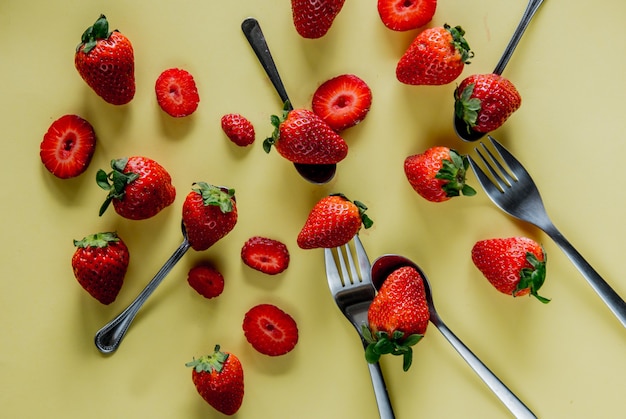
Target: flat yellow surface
x=564 y=360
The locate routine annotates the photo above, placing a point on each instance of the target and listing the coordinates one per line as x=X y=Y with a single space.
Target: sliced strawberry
x=270 y=330
x=404 y=15
x=68 y=146
x=238 y=129
x=265 y=255
x=206 y=280
x=342 y=101
x=177 y=93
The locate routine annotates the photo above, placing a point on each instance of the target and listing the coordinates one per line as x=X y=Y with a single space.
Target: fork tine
x=331 y=266
x=363 y=261
x=482 y=177
x=508 y=158
x=345 y=276
x=502 y=172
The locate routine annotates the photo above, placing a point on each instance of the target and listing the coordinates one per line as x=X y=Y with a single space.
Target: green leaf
x=412 y=339
x=407 y=360
x=371 y=355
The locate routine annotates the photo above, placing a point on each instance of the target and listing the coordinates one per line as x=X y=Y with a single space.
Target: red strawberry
x=514 y=266
x=105 y=60
x=139 y=187
x=177 y=93
x=398 y=316
x=206 y=280
x=332 y=222
x=99 y=263
x=209 y=213
x=485 y=101
x=265 y=255
x=313 y=18
x=218 y=377
x=342 y=101
x=270 y=330
x=68 y=146
x=302 y=137
x=238 y=129
x=437 y=56
x=404 y=15
x=438 y=174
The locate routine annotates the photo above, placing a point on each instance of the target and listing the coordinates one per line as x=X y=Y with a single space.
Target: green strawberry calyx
x=466 y=107
x=276 y=123
x=460 y=43
x=115 y=181
x=454 y=171
x=97 y=240
x=365 y=219
x=214 y=195
x=381 y=343
x=533 y=278
x=98 y=31
x=209 y=363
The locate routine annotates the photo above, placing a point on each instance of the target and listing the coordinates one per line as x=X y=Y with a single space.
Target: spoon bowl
x=385 y=265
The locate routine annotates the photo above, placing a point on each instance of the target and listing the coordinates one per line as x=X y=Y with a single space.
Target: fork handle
x=380 y=392
x=615 y=303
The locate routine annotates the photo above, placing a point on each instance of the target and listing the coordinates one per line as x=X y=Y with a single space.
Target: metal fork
x=353 y=292
x=513 y=190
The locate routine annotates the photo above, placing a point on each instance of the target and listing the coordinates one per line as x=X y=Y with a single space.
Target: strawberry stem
x=454 y=171
x=460 y=43
x=97 y=240
x=99 y=30
x=209 y=363
x=114 y=182
x=213 y=195
x=533 y=278
x=380 y=343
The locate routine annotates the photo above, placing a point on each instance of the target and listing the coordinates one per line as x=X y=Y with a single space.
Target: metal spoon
x=462 y=129
x=314 y=173
x=108 y=338
x=386 y=264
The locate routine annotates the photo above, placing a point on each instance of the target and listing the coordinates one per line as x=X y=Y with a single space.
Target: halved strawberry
x=342 y=101
x=404 y=15
x=265 y=255
x=206 y=280
x=270 y=330
x=68 y=146
x=177 y=93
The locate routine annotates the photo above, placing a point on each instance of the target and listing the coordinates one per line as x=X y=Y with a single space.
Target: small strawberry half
x=270 y=330
x=206 y=280
x=238 y=129
x=177 y=93
x=68 y=146
x=342 y=101
x=265 y=255
x=404 y=15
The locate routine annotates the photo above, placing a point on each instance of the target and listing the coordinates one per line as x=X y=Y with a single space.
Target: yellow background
x=564 y=360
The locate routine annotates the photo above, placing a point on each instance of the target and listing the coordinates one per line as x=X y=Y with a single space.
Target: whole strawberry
x=438 y=174
x=139 y=187
x=485 y=101
x=333 y=222
x=398 y=316
x=436 y=56
x=313 y=18
x=302 y=137
x=99 y=263
x=209 y=213
x=238 y=129
x=105 y=60
x=514 y=266
x=218 y=378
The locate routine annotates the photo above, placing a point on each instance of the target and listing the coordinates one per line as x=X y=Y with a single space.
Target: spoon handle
x=531 y=9
x=254 y=35
x=108 y=338
x=505 y=395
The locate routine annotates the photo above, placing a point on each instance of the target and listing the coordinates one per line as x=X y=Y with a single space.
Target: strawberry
x=99 y=263
x=238 y=129
x=265 y=255
x=332 y=222
x=514 y=266
x=404 y=15
x=176 y=92
x=209 y=213
x=436 y=56
x=398 y=316
x=139 y=187
x=342 y=101
x=438 y=174
x=485 y=101
x=206 y=280
x=218 y=378
x=313 y=18
x=270 y=330
x=302 y=137
x=68 y=146
x=105 y=60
